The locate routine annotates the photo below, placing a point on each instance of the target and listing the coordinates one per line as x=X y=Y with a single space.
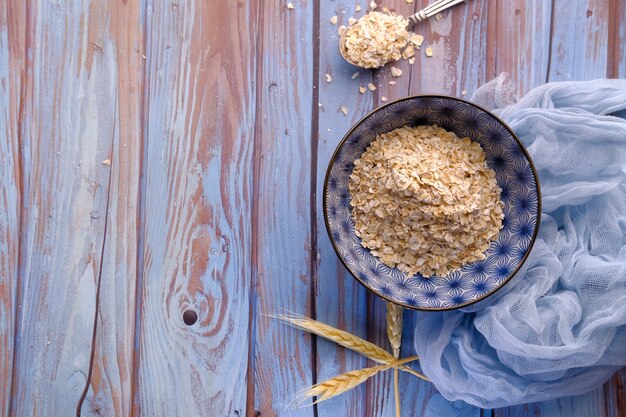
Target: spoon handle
x=432 y=9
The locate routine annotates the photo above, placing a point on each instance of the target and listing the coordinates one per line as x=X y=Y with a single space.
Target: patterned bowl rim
x=417 y=97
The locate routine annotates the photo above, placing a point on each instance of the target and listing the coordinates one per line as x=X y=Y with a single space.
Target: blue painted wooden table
x=161 y=165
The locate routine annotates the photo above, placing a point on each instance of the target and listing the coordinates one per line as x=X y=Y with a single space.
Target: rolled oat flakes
x=376 y=39
x=425 y=201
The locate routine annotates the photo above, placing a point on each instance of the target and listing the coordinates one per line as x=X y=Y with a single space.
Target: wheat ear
x=344 y=382
x=394 y=327
x=343 y=338
x=347 y=340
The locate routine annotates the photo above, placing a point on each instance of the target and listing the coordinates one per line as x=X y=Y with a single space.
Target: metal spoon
x=430 y=10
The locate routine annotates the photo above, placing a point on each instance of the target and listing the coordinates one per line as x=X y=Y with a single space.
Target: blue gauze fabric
x=559 y=326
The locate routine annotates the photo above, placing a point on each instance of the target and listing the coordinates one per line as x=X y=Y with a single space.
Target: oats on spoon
x=374 y=40
x=381 y=37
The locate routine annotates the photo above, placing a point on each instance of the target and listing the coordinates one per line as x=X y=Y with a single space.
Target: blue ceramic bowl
x=515 y=174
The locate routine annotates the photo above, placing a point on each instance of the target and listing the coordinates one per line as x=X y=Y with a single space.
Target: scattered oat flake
x=106 y=162
x=392 y=83
x=362 y=90
x=464 y=92
x=396 y=72
x=352 y=21
x=409 y=1
x=329 y=78
x=341 y=29
x=438 y=16
x=371 y=86
x=417 y=40
x=429 y=51
x=383 y=98
x=373 y=5
x=411 y=61
x=355 y=75
x=357 y=8
x=290 y=6
x=319 y=104
x=344 y=110
x=333 y=20
x=408 y=52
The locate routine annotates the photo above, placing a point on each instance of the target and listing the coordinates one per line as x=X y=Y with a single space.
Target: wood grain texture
x=66 y=133
x=615 y=395
x=458 y=40
x=379 y=390
x=110 y=388
x=285 y=254
x=196 y=210
x=579 y=40
x=340 y=299
x=12 y=61
x=616 y=55
x=218 y=123
x=518 y=41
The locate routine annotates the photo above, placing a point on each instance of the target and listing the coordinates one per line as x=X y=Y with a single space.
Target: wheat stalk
x=394 y=327
x=413 y=372
x=343 y=338
x=394 y=334
x=396 y=390
x=344 y=382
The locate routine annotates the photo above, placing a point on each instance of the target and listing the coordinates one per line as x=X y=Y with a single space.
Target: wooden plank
x=457 y=41
x=579 y=52
x=196 y=208
x=616 y=55
x=12 y=50
x=518 y=41
x=454 y=40
x=285 y=247
x=379 y=392
x=110 y=388
x=340 y=300
x=615 y=395
x=68 y=93
x=579 y=40
x=615 y=389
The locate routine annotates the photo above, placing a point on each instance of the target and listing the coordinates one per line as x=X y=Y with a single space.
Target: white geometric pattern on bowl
x=515 y=174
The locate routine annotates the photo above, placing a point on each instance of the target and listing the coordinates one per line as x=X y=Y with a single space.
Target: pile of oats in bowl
x=376 y=39
x=425 y=201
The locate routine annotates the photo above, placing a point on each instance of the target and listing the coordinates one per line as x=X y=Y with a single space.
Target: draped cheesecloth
x=559 y=327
